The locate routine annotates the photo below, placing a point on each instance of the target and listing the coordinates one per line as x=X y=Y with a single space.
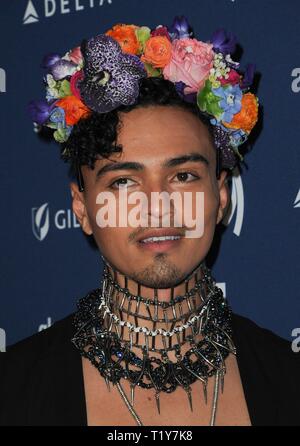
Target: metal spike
x=132 y=386
x=107 y=382
x=189 y=394
x=153 y=337
x=146 y=342
x=180 y=310
x=131 y=338
x=164 y=342
x=189 y=304
x=148 y=309
x=118 y=330
x=174 y=311
x=157 y=401
x=122 y=303
x=129 y=306
x=166 y=318
x=205 y=391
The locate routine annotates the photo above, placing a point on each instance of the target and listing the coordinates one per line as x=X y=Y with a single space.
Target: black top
x=41 y=377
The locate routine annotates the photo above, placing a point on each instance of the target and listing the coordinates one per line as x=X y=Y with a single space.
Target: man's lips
x=160 y=239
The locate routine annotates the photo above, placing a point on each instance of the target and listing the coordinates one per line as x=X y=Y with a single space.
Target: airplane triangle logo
x=297 y=201
x=30 y=16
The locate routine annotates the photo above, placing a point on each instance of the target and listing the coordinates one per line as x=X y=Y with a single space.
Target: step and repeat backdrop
x=47 y=263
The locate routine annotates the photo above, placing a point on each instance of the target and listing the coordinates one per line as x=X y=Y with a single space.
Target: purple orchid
x=39 y=111
x=111 y=77
x=223 y=42
x=180 y=28
x=49 y=60
x=248 y=76
x=62 y=68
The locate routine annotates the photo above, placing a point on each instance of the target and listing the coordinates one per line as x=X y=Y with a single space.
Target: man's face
x=174 y=154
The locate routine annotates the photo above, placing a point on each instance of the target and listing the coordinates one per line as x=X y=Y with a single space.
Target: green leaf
x=208 y=102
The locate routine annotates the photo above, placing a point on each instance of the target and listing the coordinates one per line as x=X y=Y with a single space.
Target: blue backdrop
x=44 y=272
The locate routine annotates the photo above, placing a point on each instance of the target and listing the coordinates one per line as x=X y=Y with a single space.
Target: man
x=157 y=343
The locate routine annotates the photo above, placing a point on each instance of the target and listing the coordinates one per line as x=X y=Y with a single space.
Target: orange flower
x=158 y=51
x=125 y=35
x=247 y=117
x=74 y=109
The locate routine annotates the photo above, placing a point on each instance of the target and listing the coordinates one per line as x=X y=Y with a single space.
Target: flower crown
x=104 y=73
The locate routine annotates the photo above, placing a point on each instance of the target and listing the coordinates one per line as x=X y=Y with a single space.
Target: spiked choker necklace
x=108 y=330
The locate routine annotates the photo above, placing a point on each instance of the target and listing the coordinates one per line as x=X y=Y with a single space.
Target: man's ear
x=79 y=208
x=224 y=196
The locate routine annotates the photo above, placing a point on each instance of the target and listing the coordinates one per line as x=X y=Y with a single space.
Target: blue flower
x=57 y=116
x=231 y=97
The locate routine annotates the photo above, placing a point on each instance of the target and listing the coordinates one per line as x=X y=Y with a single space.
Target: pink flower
x=190 y=63
x=75 y=55
x=233 y=78
x=78 y=76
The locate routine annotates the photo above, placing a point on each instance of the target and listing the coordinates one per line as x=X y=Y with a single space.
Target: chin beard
x=160 y=274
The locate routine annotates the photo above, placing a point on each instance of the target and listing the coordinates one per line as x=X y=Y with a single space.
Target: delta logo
x=54 y=7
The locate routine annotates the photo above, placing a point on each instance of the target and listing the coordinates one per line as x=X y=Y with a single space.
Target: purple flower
x=62 y=68
x=191 y=97
x=223 y=42
x=248 y=76
x=111 y=77
x=39 y=111
x=180 y=28
x=49 y=60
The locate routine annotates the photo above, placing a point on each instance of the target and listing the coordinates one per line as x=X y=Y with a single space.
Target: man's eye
x=121 y=183
x=186 y=177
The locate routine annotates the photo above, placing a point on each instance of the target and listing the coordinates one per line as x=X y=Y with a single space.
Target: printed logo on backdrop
x=42 y=220
x=2 y=340
x=237 y=205
x=295 y=86
x=297 y=200
x=54 y=7
x=2 y=80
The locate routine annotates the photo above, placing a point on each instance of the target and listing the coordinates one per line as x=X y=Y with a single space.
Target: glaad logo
x=2 y=340
x=30 y=16
x=237 y=205
x=297 y=201
x=296 y=82
x=2 y=80
x=51 y=7
x=45 y=326
x=63 y=219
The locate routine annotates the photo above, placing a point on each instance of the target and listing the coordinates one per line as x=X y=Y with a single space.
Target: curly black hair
x=95 y=137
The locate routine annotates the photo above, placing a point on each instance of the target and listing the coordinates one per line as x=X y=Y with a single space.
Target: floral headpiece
x=104 y=73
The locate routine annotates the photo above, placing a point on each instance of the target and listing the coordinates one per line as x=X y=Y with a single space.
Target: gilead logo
x=52 y=7
x=237 y=205
x=2 y=80
x=2 y=340
x=40 y=220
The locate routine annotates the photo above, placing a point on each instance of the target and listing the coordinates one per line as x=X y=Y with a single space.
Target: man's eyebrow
x=118 y=166
x=171 y=162
x=196 y=157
